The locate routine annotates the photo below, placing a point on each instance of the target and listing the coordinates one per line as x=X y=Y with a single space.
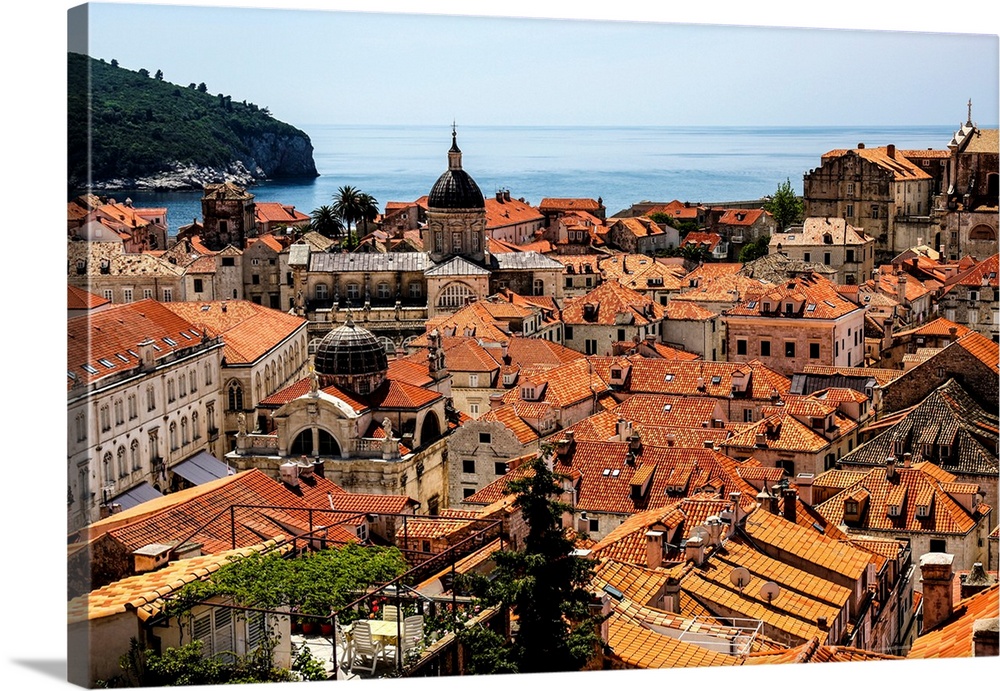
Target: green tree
x=784 y=205
x=755 y=249
x=114 y=63
x=347 y=205
x=326 y=222
x=661 y=217
x=202 y=88
x=143 y=72
x=544 y=585
x=159 y=75
x=368 y=208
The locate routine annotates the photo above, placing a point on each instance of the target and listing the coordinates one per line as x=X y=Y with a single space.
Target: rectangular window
x=789 y=348
x=127 y=294
x=468 y=492
x=590 y=346
x=850 y=211
x=569 y=282
x=569 y=333
x=199 y=285
x=255 y=279
x=473 y=380
x=747 y=415
x=485 y=438
x=765 y=348
x=741 y=346
x=850 y=188
x=229 y=261
x=469 y=466
x=806 y=256
x=850 y=256
x=499 y=468
x=474 y=409
x=939 y=545
x=875 y=211
x=456 y=242
x=814 y=351
x=595 y=525
x=168 y=295
x=826 y=258
x=353 y=291
x=621 y=334
x=147 y=294
x=109 y=295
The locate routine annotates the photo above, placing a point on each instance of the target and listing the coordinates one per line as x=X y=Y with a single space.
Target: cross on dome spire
x=969 y=122
x=454 y=154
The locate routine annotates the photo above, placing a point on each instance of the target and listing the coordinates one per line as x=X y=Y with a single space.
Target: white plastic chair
x=390 y=613
x=364 y=645
x=345 y=647
x=413 y=633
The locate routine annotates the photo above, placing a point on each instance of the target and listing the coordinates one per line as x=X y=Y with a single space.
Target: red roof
x=80 y=299
x=509 y=212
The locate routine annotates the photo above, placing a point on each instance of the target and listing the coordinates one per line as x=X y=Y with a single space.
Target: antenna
x=740 y=577
x=701 y=531
x=769 y=591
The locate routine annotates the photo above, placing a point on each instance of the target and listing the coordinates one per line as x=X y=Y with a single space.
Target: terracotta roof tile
x=568 y=204
x=741 y=217
x=615 y=304
x=639 y=647
x=80 y=299
x=250 y=331
x=953 y=637
x=898 y=165
x=275 y=212
x=766 y=528
x=681 y=378
x=812 y=296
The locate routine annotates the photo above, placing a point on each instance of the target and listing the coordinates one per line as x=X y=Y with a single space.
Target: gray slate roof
x=457 y=266
x=370 y=261
x=513 y=261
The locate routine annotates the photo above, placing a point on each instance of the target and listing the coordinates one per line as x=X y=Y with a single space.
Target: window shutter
x=224 y=642
x=256 y=629
x=201 y=630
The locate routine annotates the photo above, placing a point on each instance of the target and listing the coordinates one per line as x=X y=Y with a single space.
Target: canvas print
x=409 y=346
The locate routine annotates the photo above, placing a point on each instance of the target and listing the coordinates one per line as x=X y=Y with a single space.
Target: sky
x=339 y=77
x=321 y=67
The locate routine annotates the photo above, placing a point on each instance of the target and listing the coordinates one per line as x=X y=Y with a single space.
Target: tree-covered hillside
x=141 y=124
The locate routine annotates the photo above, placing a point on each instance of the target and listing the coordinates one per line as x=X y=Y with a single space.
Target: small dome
x=455 y=189
x=350 y=350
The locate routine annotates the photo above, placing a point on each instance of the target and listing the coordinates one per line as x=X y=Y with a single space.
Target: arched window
x=983 y=232
x=194 y=380
x=173 y=436
x=171 y=391
x=182 y=385
x=235 y=392
x=122 y=464
x=150 y=398
x=258 y=388
x=106 y=467
x=136 y=460
x=195 y=429
x=184 y=431
x=267 y=378
x=455 y=295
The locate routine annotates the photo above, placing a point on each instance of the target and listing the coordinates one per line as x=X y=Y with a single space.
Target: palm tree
x=368 y=206
x=326 y=222
x=347 y=205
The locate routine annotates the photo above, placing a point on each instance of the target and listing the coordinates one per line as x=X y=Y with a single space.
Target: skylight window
x=716 y=379
x=205 y=308
x=90 y=368
x=667 y=407
x=752 y=304
x=71 y=375
x=615 y=473
x=195 y=333
x=133 y=354
x=811 y=307
x=829 y=303
x=121 y=357
x=607 y=471
x=107 y=363
x=186 y=337
x=169 y=341
x=157 y=348
x=669 y=377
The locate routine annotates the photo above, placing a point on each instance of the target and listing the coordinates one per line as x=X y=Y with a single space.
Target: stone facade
x=228 y=216
x=478 y=454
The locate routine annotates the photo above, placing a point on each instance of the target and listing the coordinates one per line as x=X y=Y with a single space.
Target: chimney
x=890 y=150
x=861 y=145
x=907 y=459
x=714 y=525
x=499 y=196
x=936 y=578
x=506 y=195
x=634 y=442
x=654 y=549
x=986 y=637
x=890 y=468
x=694 y=550
x=789 y=497
x=565 y=445
x=901 y=287
x=975 y=581
x=804 y=481
x=672 y=595
x=953 y=333
x=289 y=473
x=147 y=355
x=624 y=429
x=821 y=624
x=734 y=499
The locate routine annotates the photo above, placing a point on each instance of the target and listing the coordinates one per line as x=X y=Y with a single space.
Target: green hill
x=141 y=126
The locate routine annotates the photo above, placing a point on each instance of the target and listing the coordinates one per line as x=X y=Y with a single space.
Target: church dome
x=349 y=353
x=455 y=189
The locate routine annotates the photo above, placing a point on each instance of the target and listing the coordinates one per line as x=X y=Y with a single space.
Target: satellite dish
x=702 y=532
x=769 y=591
x=740 y=577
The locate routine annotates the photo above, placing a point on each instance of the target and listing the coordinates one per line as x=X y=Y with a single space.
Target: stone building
x=262 y=276
x=266 y=350
x=227 y=216
x=787 y=326
x=105 y=269
x=831 y=241
x=651 y=277
x=972 y=298
x=143 y=389
x=884 y=191
x=512 y=220
x=608 y=314
x=375 y=433
x=739 y=227
x=480 y=451
x=273 y=217
x=966 y=212
x=640 y=235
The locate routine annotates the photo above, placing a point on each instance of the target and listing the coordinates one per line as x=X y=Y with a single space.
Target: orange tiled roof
x=787 y=434
x=741 y=217
x=981 y=348
x=882 y=376
x=509 y=212
x=899 y=165
x=813 y=297
x=812 y=651
x=108 y=336
x=766 y=528
x=639 y=647
x=563 y=385
x=937 y=327
x=613 y=302
x=687 y=311
x=80 y=299
x=709 y=240
x=681 y=378
x=268 y=240
x=986 y=270
x=945 y=514
x=250 y=331
x=626 y=544
x=508 y=417
x=568 y=204
x=144 y=593
x=669 y=411
x=275 y=212
x=953 y=637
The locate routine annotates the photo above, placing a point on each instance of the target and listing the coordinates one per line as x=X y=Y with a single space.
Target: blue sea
x=623 y=165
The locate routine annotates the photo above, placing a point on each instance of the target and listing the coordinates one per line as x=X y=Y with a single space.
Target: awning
x=201 y=468
x=135 y=496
